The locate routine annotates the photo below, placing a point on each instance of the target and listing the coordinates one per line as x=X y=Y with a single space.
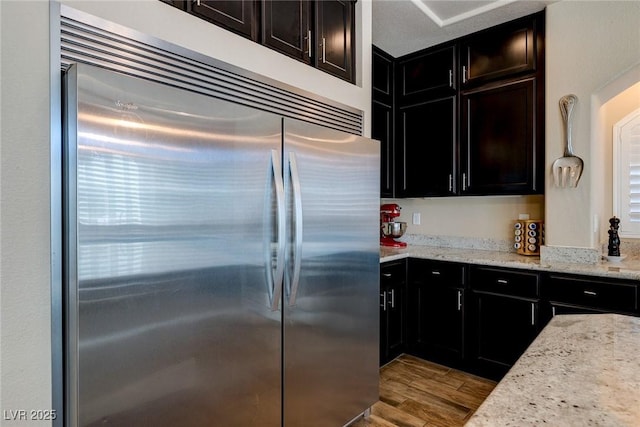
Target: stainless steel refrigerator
x=221 y=262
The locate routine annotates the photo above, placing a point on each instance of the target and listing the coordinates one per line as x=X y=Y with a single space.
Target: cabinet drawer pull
x=450 y=182
x=464 y=181
x=384 y=301
x=553 y=312
x=459 y=300
x=591 y=293
x=386 y=274
x=435 y=272
x=450 y=78
x=324 y=57
x=503 y=281
x=533 y=314
x=393 y=298
x=309 y=43
x=464 y=74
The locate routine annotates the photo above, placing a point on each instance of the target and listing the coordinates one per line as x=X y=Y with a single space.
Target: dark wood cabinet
x=470 y=114
x=571 y=294
x=239 y=16
x=436 y=301
x=382 y=76
x=382 y=130
x=382 y=124
x=505 y=317
x=335 y=37
x=427 y=74
x=286 y=27
x=393 y=284
x=426 y=149
x=320 y=33
x=501 y=152
x=500 y=52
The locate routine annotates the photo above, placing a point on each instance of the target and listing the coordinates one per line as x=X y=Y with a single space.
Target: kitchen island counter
x=582 y=370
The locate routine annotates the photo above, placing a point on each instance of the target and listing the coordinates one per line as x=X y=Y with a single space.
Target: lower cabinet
x=436 y=300
x=393 y=286
x=573 y=294
x=505 y=317
x=481 y=318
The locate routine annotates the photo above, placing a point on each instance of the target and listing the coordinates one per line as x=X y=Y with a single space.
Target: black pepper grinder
x=614 y=240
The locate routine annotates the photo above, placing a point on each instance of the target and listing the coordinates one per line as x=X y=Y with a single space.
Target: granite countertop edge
x=581 y=370
x=628 y=269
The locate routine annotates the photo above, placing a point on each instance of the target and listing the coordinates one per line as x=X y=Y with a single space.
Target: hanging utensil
x=568 y=168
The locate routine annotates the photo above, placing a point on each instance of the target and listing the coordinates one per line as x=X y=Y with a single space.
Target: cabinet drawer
x=393 y=272
x=503 y=281
x=585 y=291
x=437 y=273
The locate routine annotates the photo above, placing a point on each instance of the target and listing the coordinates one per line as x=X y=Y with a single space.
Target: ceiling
x=405 y=26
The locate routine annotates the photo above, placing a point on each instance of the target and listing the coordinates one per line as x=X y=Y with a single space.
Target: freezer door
x=171 y=207
x=331 y=293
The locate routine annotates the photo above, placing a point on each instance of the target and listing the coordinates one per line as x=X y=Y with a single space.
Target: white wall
x=611 y=113
x=25 y=314
x=588 y=45
x=25 y=303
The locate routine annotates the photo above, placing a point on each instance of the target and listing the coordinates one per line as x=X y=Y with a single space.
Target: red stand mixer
x=390 y=229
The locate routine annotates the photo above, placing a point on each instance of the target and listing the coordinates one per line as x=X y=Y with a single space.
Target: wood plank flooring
x=419 y=393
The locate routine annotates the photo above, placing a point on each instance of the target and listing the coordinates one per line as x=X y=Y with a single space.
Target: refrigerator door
x=172 y=216
x=331 y=293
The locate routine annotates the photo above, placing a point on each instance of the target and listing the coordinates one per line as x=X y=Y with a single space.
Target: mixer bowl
x=393 y=229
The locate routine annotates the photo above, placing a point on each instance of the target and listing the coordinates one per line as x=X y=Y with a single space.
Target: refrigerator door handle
x=276 y=279
x=297 y=218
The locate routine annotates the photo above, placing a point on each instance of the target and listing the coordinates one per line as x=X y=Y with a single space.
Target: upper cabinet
x=238 y=16
x=286 y=27
x=319 y=33
x=427 y=74
x=335 y=37
x=382 y=117
x=469 y=114
x=501 y=52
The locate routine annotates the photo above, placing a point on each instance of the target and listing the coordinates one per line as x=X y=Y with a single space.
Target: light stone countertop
x=582 y=370
x=627 y=269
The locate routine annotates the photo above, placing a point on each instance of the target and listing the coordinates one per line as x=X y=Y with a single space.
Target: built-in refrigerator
x=221 y=262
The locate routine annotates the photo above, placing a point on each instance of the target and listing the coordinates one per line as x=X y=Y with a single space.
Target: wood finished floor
x=419 y=393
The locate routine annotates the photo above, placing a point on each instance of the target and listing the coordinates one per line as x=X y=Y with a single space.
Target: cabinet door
x=503 y=51
x=436 y=310
x=439 y=328
x=427 y=75
x=395 y=320
x=238 y=16
x=335 y=37
x=286 y=27
x=382 y=130
x=505 y=326
x=382 y=71
x=426 y=149
x=392 y=310
x=501 y=152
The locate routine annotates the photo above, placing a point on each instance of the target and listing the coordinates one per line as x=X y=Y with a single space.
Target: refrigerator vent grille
x=131 y=53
